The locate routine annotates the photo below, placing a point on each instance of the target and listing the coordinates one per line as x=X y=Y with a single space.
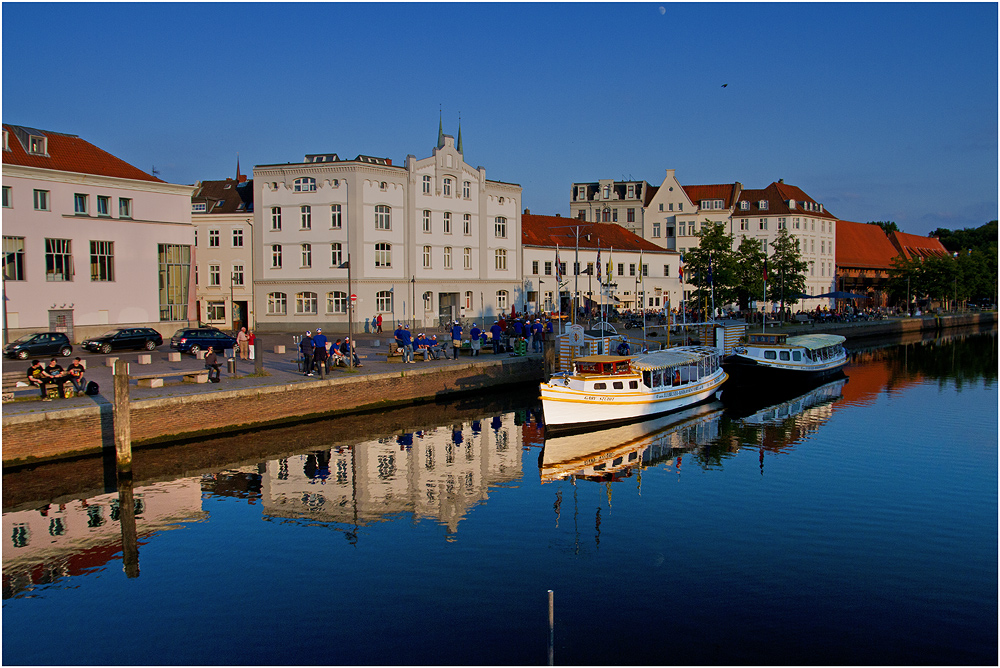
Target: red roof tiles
x=863 y=246
x=912 y=246
x=68 y=153
x=548 y=231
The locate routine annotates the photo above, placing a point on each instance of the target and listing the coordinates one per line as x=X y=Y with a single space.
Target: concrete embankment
x=71 y=432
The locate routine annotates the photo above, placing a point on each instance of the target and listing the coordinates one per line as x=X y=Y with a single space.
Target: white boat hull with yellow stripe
x=605 y=390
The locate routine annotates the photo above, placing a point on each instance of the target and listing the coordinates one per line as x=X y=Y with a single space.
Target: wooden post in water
x=121 y=418
x=552 y=625
x=126 y=517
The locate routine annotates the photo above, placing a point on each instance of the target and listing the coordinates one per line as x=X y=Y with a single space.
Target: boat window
x=618 y=385
x=676 y=380
x=797 y=355
x=599 y=467
x=632 y=456
x=783 y=355
x=647 y=378
x=633 y=385
x=657 y=378
x=600 y=386
x=770 y=355
x=617 y=461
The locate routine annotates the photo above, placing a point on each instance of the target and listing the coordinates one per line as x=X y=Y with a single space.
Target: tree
x=715 y=252
x=749 y=272
x=886 y=225
x=786 y=270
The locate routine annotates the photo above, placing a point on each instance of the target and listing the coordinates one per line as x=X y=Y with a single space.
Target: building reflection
x=47 y=544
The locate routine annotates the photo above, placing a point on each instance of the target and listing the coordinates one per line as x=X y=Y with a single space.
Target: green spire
x=440 y=132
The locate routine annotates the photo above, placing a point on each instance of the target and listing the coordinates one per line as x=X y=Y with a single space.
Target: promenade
x=37 y=431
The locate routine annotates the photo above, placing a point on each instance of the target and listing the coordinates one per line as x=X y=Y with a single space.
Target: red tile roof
x=727 y=192
x=777 y=196
x=547 y=231
x=912 y=245
x=863 y=246
x=68 y=153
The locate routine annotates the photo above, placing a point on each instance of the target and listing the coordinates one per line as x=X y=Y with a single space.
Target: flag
x=680 y=269
x=765 y=268
x=610 y=264
x=639 y=280
x=598 y=264
x=558 y=266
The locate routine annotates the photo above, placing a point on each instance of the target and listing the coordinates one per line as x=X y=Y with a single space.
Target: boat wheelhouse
x=604 y=389
x=770 y=356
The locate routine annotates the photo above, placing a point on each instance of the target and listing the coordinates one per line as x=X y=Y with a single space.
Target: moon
x=663 y=10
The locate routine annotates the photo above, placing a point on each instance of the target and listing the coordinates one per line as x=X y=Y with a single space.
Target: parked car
x=43 y=343
x=193 y=339
x=124 y=338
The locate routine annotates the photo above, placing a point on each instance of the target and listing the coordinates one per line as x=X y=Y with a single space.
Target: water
x=855 y=524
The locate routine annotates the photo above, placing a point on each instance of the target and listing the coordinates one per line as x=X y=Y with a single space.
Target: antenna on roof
x=154 y=171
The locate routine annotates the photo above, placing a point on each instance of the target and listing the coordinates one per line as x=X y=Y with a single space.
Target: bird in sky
x=724 y=85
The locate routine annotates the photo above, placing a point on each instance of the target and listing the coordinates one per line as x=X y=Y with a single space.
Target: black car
x=44 y=343
x=124 y=338
x=193 y=339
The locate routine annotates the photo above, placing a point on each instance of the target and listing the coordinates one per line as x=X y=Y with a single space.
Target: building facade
x=433 y=233
x=222 y=214
x=609 y=201
x=90 y=242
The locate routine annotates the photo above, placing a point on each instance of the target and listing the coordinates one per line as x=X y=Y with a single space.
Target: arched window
x=501 y=259
x=447 y=187
x=428 y=301
x=447 y=257
x=606 y=216
x=305 y=185
x=305 y=303
x=383 y=301
x=467 y=258
x=468 y=300
x=383 y=255
x=427 y=257
x=427 y=220
x=276 y=303
x=336 y=302
x=383 y=217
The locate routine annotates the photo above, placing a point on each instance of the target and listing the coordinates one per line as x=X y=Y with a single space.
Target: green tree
x=886 y=225
x=749 y=272
x=715 y=250
x=786 y=275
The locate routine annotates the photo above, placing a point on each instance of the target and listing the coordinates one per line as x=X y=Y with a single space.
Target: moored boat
x=604 y=389
x=768 y=357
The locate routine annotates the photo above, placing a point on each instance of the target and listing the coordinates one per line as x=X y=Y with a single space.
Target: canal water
x=850 y=523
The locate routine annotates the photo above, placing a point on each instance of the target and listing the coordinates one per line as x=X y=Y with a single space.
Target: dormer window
x=744 y=205
x=304 y=185
x=6 y=140
x=631 y=191
x=37 y=145
x=607 y=192
x=762 y=204
x=198 y=207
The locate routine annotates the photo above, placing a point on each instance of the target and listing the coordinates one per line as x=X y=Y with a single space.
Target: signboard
x=575 y=335
x=354 y=299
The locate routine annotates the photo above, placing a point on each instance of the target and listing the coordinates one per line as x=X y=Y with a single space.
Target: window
x=237 y=275
x=13 y=258
x=744 y=205
x=744 y=223
x=631 y=270
x=383 y=186
x=305 y=303
x=447 y=187
x=467 y=258
x=175 y=270
x=307 y=256
x=670 y=231
x=447 y=257
x=562 y=268
x=656 y=229
x=103 y=205
x=307 y=217
x=277 y=303
x=576 y=268
x=680 y=206
x=427 y=220
x=80 y=204
x=763 y=223
x=607 y=192
x=468 y=300
x=631 y=191
x=383 y=217
x=7 y=201
x=500 y=227
x=58 y=260
x=238 y=237
x=215 y=311
x=37 y=145
x=501 y=300
x=336 y=255
x=383 y=255
x=606 y=216
x=548 y=268
x=614 y=215
x=383 y=301
x=467 y=190
x=500 y=259
x=276 y=256
x=124 y=207
x=213 y=238
x=336 y=220
x=447 y=222
x=762 y=205
x=198 y=207
x=304 y=185
x=427 y=185
x=102 y=260
x=336 y=302
x=214 y=277
x=467 y=224
x=621 y=268
x=666 y=270
x=782 y=223
x=41 y=200
x=427 y=257
x=630 y=215
x=275 y=218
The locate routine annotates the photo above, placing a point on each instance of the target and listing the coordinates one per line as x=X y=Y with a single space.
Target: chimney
x=558 y=215
x=527 y=212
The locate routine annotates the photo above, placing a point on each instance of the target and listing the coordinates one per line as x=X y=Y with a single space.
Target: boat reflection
x=752 y=406
x=611 y=454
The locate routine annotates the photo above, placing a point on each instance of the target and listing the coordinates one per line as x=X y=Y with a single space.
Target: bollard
x=258 y=356
x=231 y=366
x=121 y=418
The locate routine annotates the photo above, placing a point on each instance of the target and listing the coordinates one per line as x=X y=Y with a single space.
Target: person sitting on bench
x=36 y=376
x=75 y=372
x=212 y=364
x=54 y=374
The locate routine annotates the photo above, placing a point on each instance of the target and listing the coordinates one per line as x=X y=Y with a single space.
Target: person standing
x=308 y=348
x=456 y=339
x=75 y=372
x=378 y=323
x=251 y=342
x=407 y=341
x=536 y=336
x=319 y=354
x=243 y=342
x=475 y=333
x=212 y=364
x=495 y=332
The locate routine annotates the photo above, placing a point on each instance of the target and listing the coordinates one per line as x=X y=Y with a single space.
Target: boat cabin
x=773 y=339
x=602 y=365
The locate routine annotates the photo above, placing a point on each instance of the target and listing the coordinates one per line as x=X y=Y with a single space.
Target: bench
x=803 y=318
x=10 y=386
x=418 y=356
x=156 y=379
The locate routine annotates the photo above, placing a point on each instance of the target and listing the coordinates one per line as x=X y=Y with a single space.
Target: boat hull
x=566 y=409
x=743 y=370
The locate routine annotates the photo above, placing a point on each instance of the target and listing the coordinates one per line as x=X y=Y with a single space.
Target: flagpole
x=763 y=316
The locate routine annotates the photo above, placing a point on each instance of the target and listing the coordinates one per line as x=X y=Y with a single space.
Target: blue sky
x=879 y=111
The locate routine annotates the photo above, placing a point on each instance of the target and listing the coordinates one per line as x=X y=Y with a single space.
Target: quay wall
x=60 y=434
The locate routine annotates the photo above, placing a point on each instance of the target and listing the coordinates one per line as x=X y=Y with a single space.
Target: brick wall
x=67 y=433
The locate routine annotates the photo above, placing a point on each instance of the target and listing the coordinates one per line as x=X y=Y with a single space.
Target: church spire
x=440 y=131
x=460 y=133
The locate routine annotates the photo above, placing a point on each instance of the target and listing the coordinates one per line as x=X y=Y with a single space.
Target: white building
x=69 y=206
x=641 y=271
x=434 y=232
x=222 y=213
x=609 y=201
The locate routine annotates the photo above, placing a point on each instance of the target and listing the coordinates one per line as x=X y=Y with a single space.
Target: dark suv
x=44 y=343
x=193 y=339
x=135 y=338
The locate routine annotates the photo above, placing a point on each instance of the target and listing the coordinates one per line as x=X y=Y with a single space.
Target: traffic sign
x=354 y=298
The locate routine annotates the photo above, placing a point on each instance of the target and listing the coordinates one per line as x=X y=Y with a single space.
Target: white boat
x=604 y=389
x=779 y=357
